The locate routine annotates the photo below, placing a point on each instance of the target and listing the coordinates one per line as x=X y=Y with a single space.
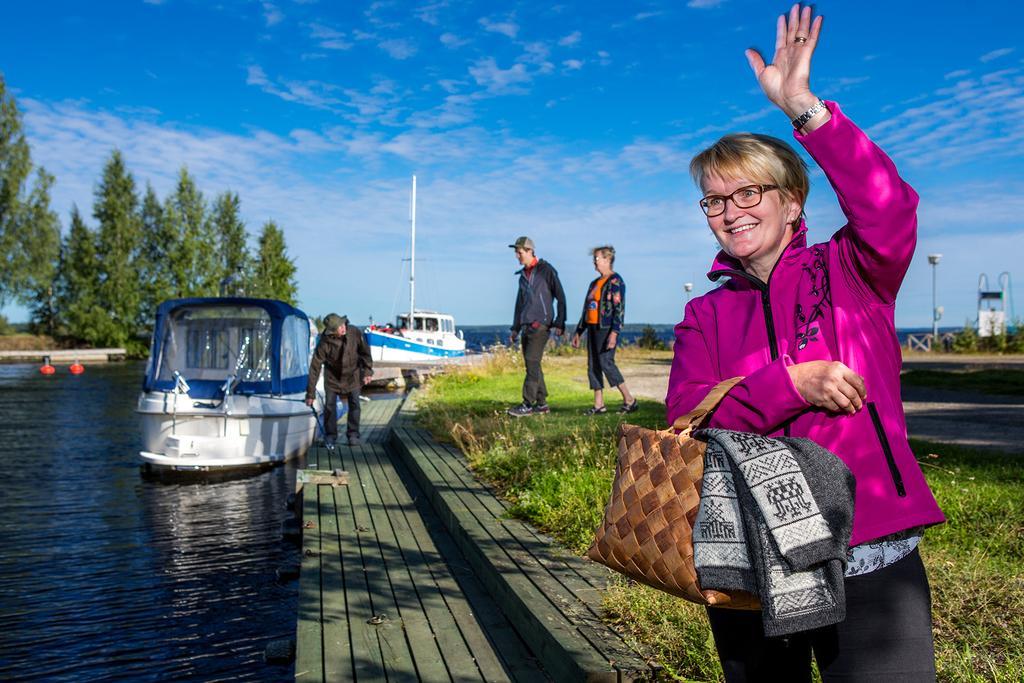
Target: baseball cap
x=523 y=242
x=333 y=321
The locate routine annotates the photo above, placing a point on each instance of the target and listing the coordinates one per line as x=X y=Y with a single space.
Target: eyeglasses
x=744 y=198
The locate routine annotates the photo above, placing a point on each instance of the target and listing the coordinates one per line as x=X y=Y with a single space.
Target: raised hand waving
x=786 y=81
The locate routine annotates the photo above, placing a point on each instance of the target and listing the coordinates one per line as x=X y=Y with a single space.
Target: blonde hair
x=605 y=250
x=760 y=158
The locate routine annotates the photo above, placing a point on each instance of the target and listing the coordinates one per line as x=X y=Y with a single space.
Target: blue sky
x=572 y=123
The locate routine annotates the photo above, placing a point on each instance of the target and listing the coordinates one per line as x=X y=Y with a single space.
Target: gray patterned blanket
x=774 y=519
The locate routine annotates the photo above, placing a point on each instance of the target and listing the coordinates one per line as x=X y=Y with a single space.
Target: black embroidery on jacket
x=807 y=326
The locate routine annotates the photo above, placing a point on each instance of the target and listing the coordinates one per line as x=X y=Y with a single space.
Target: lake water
x=106 y=575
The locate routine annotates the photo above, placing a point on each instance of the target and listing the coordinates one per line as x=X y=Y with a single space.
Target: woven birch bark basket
x=647 y=532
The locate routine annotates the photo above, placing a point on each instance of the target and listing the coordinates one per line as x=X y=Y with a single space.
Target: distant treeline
x=99 y=285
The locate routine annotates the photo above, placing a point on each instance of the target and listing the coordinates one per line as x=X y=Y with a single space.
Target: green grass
x=556 y=470
x=1002 y=382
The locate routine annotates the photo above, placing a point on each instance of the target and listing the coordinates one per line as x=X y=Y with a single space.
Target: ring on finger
x=800 y=39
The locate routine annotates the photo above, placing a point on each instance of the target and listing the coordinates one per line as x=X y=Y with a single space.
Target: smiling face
x=757 y=235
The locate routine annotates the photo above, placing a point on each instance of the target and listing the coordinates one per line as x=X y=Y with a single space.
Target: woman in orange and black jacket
x=604 y=310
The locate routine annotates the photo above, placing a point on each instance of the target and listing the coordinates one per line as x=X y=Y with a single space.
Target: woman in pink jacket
x=811 y=329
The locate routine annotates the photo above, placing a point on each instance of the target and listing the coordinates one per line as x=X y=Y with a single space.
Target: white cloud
x=398 y=48
x=271 y=14
x=329 y=38
x=452 y=41
x=498 y=81
x=943 y=128
x=959 y=73
x=704 y=4
x=641 y=16
x=571 y=39
x=995 y=54
x=310 y=93
x=572 y=64
x=506 y=28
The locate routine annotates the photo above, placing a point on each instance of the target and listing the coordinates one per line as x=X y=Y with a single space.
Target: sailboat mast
x=412 y=259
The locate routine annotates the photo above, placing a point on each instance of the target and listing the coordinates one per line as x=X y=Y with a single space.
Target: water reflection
x=106 y=574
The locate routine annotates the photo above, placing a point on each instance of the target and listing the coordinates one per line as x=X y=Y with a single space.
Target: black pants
x=601 y=359
x=534 y=339
x=331 y=413
x=887 y=635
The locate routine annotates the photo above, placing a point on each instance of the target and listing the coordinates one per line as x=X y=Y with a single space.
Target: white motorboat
x=225 y=385
x=418 y=336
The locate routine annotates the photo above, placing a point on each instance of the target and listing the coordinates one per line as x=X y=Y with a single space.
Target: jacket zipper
x=894 y=471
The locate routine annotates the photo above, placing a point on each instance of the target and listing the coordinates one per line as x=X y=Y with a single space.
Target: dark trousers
x=887 y=635
x=331 y=413
x=534 y=339
x=601 y=359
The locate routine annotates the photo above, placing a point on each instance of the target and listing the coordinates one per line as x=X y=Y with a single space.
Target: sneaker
x=353 y=440
x=521 y=410
x=630 y=407
x=329 y=442
x=596 y=410
x=541 y=409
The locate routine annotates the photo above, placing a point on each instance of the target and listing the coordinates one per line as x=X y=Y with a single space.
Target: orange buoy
x=77 y=368
x=47 y=369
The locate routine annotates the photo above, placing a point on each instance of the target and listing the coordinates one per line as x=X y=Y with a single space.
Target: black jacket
x=346 y=361
x=534 y=302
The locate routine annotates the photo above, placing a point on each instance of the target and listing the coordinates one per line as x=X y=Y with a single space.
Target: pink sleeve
x=877 y=243
x=764 y=400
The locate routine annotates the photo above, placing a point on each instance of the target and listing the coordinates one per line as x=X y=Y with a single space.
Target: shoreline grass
x=556 y=472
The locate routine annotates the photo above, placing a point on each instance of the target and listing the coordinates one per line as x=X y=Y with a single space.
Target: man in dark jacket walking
x=345 y=356
x=534 y=318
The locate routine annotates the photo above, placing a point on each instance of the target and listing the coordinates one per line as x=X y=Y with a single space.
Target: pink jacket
x=829 y=301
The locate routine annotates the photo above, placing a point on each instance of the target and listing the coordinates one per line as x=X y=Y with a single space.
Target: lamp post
x=688 y=287
x=934 y=259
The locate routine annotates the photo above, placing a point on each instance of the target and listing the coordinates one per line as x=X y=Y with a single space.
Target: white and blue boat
x=225 y=385
x=419 y=336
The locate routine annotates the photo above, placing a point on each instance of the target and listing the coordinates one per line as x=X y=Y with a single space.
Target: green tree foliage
x=235 y=261
x=78 y=290
x=649 y=340
x=118 y=242
x=41 y=255
x=29 y=231
x=153 y=261
x=274 y=276
x=193 y=255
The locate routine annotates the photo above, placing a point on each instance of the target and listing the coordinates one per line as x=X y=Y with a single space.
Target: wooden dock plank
x=478 y=615
x=338 y=661
x=368 y=661
x=396 y=654
x=409 y=611
x=467 y=653
x=533 y=593
x=308 y=637
x=566 y=655
x=583 y=579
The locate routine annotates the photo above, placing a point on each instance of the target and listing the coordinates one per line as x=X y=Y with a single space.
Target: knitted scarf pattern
x=775 y=519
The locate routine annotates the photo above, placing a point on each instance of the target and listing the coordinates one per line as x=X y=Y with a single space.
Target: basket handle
x=686 y=423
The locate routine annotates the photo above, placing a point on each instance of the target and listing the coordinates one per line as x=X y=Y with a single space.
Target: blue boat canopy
x=263 y=343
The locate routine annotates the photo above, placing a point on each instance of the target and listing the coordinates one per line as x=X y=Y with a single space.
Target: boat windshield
x=212 y=342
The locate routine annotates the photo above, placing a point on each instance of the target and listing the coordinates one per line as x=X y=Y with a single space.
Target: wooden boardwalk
x=412 y=571
x=384 y=593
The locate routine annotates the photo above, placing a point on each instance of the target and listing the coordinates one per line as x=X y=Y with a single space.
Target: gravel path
x=967 y=419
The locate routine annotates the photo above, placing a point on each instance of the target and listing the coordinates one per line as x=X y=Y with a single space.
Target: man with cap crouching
x=345 y=355
x=533 y=319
